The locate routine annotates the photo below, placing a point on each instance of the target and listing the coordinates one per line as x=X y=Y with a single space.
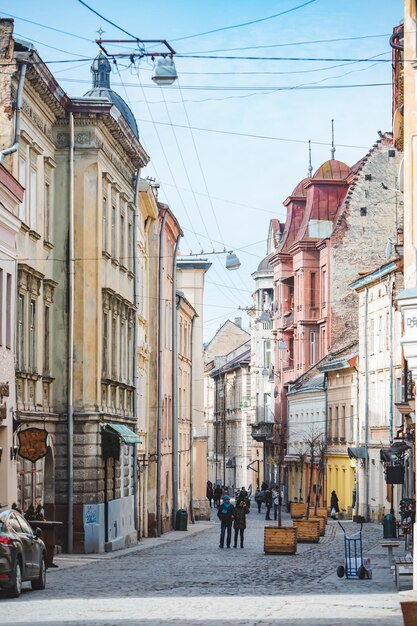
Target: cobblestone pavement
x=184 y=579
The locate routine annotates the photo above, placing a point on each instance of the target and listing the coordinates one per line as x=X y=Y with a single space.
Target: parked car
x=22 y=554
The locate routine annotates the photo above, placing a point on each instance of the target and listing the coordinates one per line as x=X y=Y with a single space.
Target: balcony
x=288 y=319
x=263 y=431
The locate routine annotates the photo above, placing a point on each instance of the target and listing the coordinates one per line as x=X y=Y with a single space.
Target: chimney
x=238 y=321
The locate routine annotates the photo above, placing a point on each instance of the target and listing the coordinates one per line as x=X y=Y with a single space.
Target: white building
x=380 y=386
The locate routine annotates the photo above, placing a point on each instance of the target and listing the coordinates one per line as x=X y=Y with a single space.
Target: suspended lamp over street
x=164 y=72
x=232 y=262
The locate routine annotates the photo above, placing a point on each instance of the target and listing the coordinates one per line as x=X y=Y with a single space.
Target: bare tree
x=312 y=441
x=321 y=455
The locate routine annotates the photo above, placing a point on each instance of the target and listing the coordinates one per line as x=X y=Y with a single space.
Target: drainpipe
x=175 y=468
x=19 y=102
x=71 y=279
x=136 y=482
x=357 y=463
x=366 y=404
x=192 y=427
x=391 y=365
x=160 y=390
x=326 y=426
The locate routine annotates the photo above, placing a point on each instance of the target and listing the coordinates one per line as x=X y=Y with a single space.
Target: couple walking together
x=230 y=515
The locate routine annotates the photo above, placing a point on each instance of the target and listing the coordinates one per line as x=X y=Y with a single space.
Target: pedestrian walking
x=334 y=505
x=268 y=502
x=217 y=495
x=239 y=523
x=259 y=498
x=209 y=492
x=243 y=496
x=226 y=515
x=275 y=501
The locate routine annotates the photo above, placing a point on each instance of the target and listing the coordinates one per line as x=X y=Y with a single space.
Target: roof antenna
x=310 y=167
x=333 y=149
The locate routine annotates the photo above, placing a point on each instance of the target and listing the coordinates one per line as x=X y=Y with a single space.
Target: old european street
x=184 y=578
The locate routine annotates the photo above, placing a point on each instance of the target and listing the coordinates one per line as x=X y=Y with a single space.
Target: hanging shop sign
x=32 y=444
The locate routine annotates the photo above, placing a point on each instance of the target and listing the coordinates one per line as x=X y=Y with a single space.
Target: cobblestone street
x=184 y=579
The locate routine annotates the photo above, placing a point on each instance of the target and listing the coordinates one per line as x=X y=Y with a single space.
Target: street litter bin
x=181 y=518
x=390 y=527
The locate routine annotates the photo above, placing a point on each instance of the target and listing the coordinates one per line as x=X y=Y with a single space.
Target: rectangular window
x=22 y=181
x=313 y=287
x=380 y=334
x=371 y=336
x=351 y=423
x=46 y=330
x=104 y=223
x=323 y=288
x=130 y=242
x=47 y=212
x=267 y=353
x=330 y=424
x=122 y=368
x=33 y=198
x=9 y=311
x=122 y=252
x=343 y=423
x=105 y=349
x=336 y=423
x=130 y=351
x=387 y=333
x=312 y=347
x=21 y=333
x=32 y=335
x=113 y=232
x=114 y=347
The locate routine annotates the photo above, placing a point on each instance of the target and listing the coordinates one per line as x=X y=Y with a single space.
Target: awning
x=357 y=453
x=126 y=434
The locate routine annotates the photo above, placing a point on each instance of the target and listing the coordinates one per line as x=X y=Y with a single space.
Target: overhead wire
x=243 y=24
x=107 y=20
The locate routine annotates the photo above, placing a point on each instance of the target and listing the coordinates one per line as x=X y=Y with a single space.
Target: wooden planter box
x=308 y=531
x=322 y=511
x=321 y=521
x=280 y=540
x=297 y=509
x=409 y=610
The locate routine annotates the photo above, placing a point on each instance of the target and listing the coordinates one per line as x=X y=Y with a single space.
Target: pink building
x=301 y=275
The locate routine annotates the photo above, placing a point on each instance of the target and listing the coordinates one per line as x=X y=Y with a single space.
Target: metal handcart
x=353 y=567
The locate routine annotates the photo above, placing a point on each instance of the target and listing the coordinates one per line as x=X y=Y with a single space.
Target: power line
x=262 y=19
x=292 y=43
x=57 y=30
x=253 y=136
x=107 y=20
x=247 y=58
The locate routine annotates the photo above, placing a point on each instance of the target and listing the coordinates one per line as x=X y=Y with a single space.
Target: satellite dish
x=398 y=124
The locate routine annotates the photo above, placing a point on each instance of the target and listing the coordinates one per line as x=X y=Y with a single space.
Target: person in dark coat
x=243 y=495
x=239 y=523
x=226 y=515
x=264 y=486
x=217 y=494
x=209 y=492
x=259 y=498
x=268 y=502
x=334 y=505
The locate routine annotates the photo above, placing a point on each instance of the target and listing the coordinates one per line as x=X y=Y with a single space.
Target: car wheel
x=15 y=589
x=40 y=582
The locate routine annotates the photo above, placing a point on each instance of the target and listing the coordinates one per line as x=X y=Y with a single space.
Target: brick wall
x=369 y=216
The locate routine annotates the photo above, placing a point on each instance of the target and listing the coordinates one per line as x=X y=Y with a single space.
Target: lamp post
x=232 y=261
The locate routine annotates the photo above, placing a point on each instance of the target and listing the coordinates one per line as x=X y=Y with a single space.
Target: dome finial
x=101 y=70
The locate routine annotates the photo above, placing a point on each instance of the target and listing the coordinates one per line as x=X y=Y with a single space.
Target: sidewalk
x=64 y=561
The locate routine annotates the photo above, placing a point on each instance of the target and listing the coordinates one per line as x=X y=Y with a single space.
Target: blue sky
x=225 y=188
